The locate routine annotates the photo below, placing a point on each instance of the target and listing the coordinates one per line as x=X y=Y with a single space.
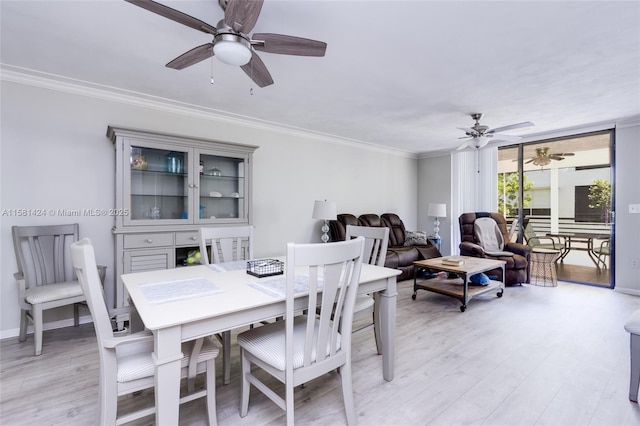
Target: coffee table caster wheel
x=500 y=294
x=463 y=308
x=413 y=296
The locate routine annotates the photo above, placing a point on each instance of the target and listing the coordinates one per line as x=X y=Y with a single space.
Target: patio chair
x=602 y=253
x=534 y=240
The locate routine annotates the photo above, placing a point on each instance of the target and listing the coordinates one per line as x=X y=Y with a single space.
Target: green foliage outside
x=508 y=191
x=600 y=196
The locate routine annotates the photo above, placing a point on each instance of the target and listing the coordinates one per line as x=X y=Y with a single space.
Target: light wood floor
x=537 y=356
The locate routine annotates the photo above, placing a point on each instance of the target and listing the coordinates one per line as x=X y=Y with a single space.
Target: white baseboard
x=6 y=334
x=631 y=291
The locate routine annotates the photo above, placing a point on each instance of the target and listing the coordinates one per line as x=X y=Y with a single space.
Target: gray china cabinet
x=167 y=187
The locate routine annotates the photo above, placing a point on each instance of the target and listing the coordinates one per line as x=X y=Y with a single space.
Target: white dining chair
x=45 y=277
x=376 y=240
x=229 y=244
x=303 y=347
x=126 y=362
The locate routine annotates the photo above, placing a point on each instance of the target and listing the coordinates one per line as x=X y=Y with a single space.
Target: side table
x=436 y=241
x=543 y=267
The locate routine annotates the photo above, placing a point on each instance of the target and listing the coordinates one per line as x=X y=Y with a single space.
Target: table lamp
x=437 y=210
x=324 y=210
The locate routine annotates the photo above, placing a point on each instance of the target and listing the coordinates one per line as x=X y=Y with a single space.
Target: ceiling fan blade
x=192 y=57
x=242 y=15
x=289 y=45
x=463 y=146
x=469 y=131
x=511 y=127
x=175 y=15
x=257 y=71
x=530 y=161
x=566 y=154
x=503 y=137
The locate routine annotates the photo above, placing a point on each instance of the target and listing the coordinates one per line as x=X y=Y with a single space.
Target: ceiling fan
x=480 y=135
x=231 y=42
x=543 y=158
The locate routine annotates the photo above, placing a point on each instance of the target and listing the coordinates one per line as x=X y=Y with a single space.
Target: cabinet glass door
x=222 y=188
x=158 y=184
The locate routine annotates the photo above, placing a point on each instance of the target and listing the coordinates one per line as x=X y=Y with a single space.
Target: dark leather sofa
x=517 y=266
x=399 y=256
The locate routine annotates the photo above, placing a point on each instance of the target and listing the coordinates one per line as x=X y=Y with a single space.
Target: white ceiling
x=400 y=74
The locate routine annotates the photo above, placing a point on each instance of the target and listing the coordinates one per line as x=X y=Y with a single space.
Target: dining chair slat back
x=303 y=347
x=227 y=244
x=376 y=241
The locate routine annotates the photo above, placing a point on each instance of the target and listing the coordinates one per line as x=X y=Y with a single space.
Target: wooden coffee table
x=458 y=287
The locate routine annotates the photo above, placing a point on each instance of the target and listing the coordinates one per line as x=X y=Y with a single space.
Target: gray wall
x=434 y=177
x=55 y=155
x=627 y=191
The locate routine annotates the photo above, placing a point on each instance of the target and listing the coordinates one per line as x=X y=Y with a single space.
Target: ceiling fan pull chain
x=251 y=88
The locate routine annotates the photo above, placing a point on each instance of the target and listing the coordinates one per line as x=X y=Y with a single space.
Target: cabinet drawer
x=148 y=240
x=187 y=238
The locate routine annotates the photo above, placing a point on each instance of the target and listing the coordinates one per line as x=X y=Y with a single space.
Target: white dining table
x=212 y=301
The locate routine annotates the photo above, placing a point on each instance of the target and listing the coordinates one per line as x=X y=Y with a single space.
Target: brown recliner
x=516 y=267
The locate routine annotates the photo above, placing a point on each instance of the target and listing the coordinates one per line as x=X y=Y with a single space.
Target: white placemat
x=238 y=265
x=277 y=287
x=170 y=291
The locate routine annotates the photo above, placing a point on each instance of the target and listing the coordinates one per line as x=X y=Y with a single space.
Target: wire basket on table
x=265 y=267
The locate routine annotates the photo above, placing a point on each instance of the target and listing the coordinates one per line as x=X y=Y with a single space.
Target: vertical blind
x=474 y=186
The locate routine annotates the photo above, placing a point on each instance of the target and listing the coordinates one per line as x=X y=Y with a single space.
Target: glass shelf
x=136 y=172
x=221 y=178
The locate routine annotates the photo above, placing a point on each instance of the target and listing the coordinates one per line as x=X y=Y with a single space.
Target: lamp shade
x=324 y=210
x=437 y=210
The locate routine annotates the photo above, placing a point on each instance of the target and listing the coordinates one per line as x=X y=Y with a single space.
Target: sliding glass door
x=564 y=201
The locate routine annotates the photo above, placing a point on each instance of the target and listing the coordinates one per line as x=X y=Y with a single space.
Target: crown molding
x=632 y=121
x=29 y=77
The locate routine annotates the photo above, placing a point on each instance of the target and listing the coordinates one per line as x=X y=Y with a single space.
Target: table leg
x=592 y=255
x=566 y=249
x=465 y=292
x=376 y=322
x=416 y=270
x=387 y=315
x=167 y=355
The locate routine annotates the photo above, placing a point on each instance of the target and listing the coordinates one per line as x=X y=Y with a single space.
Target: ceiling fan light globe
x=231 y=52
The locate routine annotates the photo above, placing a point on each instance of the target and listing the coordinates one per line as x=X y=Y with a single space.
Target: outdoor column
x=554 y=199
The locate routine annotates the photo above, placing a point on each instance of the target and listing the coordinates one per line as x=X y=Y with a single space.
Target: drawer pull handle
x=193 y=238
x=149 y=240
